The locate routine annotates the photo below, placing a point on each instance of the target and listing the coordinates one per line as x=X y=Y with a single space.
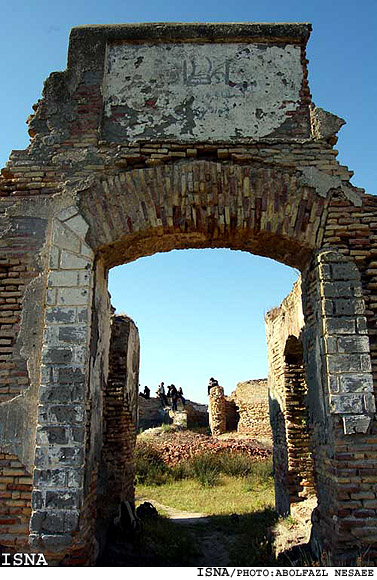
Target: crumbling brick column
x=116 y=477
x=300 y=477
x=217 y=411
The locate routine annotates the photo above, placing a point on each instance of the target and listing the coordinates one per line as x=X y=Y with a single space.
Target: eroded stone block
x=356 y=424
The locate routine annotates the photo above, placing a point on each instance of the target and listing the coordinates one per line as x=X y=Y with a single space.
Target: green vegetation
x=233 y=490
x=230 y=495
x=206 y=469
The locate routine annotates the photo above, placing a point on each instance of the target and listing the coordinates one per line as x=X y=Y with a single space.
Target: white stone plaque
x=200 y=92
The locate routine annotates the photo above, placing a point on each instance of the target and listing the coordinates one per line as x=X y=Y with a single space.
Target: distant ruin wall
x=152 y=414
x=246 y=410
x=251 y=400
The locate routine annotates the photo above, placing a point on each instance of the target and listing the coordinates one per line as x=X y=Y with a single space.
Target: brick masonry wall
x=15 y=503
x=293 y=465
x=117 y=470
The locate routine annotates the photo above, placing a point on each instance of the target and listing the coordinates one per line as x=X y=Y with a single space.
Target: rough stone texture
x=217 y=411
x=80 y=200
x=152 y=414
x=251 y=400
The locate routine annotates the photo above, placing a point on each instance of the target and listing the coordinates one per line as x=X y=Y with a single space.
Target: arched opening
x=265 y=295
x=78 y=330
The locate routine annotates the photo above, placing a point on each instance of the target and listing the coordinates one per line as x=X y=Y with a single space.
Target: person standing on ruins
x=174 y=397
x=161 y=394
x=212 y=383
x=180 y=396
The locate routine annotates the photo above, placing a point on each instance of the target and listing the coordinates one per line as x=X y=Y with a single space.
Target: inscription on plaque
x=191 y=92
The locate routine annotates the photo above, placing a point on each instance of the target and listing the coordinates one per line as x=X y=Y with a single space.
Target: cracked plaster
x=198 y=91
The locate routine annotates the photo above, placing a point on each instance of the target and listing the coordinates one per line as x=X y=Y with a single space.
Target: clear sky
x=200 y=312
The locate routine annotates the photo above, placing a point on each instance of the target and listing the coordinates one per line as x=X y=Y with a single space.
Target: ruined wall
x=117 y=468
x=152 y=414
x=293 y=466
x=251 y=399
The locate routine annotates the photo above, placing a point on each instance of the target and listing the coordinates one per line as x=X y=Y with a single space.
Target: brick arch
x=258 y=208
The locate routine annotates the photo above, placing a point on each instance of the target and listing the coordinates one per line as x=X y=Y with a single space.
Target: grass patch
x=227 y=497
x=150 y=468
x=205 y=468
x=235 y=490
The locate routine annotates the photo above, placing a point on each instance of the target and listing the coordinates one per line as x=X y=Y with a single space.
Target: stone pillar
x=61 y=431
x=341 y=405
x=216 y=409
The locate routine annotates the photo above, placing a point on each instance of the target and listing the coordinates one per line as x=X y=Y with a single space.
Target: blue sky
x=200 y=313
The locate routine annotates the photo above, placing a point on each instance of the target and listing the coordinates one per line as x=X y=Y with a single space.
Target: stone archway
x=112 y=175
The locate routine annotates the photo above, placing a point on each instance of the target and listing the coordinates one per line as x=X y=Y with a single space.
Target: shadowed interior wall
x=116 y=478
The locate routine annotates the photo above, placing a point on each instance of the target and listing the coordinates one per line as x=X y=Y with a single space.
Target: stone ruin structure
x=245 y=410
x=152 y=414
x=292 y=427
x=250 y=399
x=160 y=137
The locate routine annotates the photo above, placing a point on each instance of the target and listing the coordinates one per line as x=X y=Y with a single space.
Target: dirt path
x=212 y=543
x=178 y=516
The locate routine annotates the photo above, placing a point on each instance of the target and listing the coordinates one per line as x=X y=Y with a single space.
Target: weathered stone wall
x=251 y=399
x=175 y=91
x=152 y=414
x=83 y=197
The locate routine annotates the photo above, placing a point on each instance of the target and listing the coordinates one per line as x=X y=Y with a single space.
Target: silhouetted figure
x=180 y=396
x=212 y=383
x=174 y=397
x=147 y=392
x=161 y=394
